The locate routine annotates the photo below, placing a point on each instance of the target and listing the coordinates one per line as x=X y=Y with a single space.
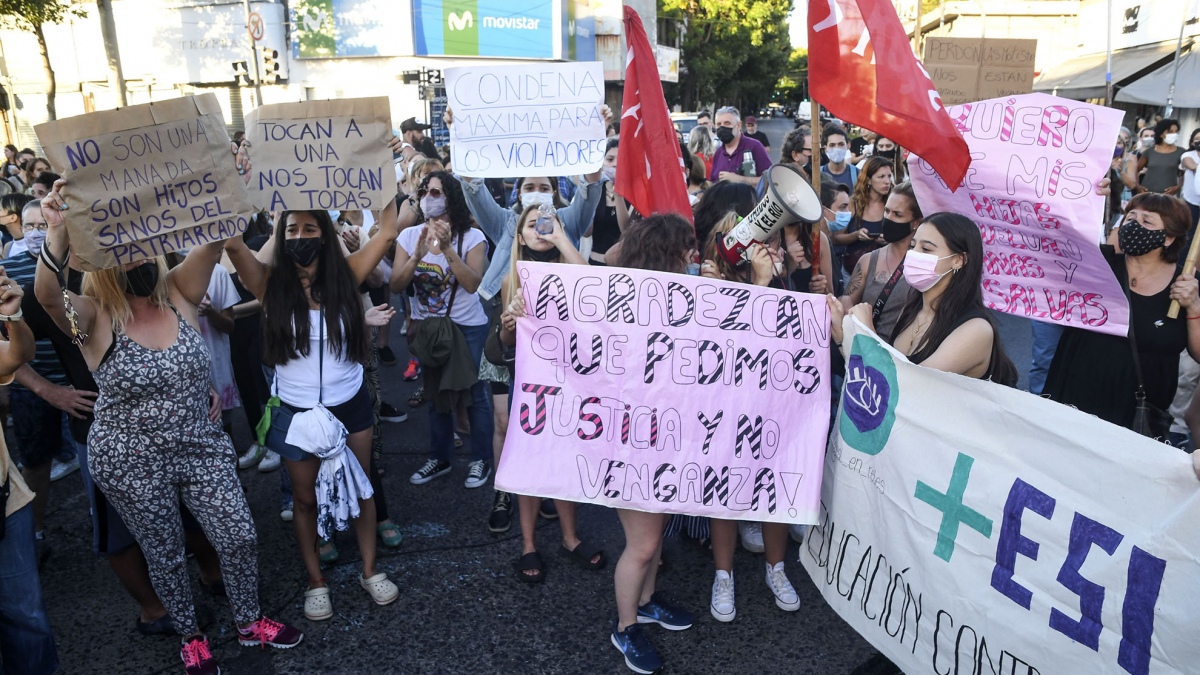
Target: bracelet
x=1193 y=318
x=19 y=316
x=54 y=265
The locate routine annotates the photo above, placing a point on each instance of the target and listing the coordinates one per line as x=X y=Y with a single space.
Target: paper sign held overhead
x=531 y=120
x=668 y=393
x=970 y=69
x=329 y=155
x=147 y=180
x=1034 y=161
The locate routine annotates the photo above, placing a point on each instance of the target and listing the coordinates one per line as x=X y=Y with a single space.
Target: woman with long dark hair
x=944 y=324
x=315 y=336
x=444 y=258
x=661 y=243
x=717 y=201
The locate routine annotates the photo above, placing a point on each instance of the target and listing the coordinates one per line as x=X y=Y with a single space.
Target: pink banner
x=1031 y=190
x=668 y=393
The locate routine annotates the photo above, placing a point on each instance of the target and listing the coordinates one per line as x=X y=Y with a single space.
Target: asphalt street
x=461 y=608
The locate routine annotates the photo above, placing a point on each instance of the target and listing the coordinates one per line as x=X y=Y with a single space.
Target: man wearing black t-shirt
x=753 y=132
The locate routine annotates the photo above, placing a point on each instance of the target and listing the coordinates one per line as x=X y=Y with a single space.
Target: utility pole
x=917 y=30
x=1175 y=66
x=254 y=54
x=108 y=28
x=1108 y=83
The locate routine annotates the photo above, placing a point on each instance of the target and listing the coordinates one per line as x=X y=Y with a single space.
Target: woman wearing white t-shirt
x=444 y=259
x=1191 y=189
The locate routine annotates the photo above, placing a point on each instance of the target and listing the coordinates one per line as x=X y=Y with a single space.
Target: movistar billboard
x=522 y=29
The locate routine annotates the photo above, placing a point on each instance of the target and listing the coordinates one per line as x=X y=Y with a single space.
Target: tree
x=30 y=15
x=734 y=50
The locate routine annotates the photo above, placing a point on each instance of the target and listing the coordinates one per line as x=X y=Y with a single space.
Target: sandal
x=417 y=399
x=390 y=534
x=317 y=605
x=329 y=555
x=530 y=562
x=588 y=556
x=380 y=588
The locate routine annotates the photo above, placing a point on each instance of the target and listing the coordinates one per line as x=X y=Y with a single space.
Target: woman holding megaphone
x=156 y=439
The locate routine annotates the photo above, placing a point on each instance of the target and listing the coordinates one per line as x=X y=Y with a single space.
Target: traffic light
x=241 y=75
x=270 y=72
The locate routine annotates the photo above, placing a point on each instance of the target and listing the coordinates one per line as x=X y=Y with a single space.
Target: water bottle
x=545 y=219
x=748 y=168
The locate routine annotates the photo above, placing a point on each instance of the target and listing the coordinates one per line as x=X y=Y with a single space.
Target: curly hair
x=861 y=198
x=457 y=210
x=794 y=142
x=1161 y=129
x=659 y=243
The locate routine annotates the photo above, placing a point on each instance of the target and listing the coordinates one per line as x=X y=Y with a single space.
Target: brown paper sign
x=327 y=155
x=974 y=69
x=147 y=180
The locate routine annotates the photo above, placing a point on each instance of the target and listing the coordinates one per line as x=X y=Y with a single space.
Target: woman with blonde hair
x=700 y=144
x=157 y=436
x=554 y=247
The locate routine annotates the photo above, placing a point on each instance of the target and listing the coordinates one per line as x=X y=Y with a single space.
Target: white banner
x=541 y=119
x=967 y=527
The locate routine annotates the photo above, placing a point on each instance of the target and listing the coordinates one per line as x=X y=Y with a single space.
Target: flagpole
x=1175 y=67
x=816 y=148
x=1108 y=83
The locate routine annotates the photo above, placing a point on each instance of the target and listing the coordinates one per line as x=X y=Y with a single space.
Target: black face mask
x=542 y=256
x=142 y=280
x=886 y=154
x=302 y=250
x=893 y=231
x=725 y=134
x=1136 y=240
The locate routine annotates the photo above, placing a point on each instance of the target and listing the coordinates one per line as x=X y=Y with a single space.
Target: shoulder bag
x=1148 y=420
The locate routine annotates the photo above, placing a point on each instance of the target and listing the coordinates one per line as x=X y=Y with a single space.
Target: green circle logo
x=870 y=395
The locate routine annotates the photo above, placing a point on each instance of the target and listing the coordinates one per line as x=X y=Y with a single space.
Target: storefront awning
x=1083 y=77
x=1153 y=88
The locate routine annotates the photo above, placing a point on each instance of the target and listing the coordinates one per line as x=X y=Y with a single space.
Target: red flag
x=862 y=69
x=649 y=164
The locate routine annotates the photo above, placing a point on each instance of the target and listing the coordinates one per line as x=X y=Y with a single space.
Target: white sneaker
x=270 y=462
x=252 y=456
x=751 y=536
x=785 y=596
x=722 y=606
x=796 y=532
x=61 y=470
x=285 y=513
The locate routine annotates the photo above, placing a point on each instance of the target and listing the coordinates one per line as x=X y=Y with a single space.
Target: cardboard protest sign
x=968 y=527
x=1034 y=162
x=147 y=180
x=541 y=119
x=969 y=69
x=327 y=155
x=668 y=393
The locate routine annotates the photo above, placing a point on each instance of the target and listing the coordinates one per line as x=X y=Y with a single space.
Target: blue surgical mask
x=841 y=219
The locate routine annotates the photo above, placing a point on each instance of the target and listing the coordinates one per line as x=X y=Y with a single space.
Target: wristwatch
x=19 y=316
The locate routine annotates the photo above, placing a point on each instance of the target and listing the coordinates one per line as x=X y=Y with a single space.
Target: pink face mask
x=920 y=270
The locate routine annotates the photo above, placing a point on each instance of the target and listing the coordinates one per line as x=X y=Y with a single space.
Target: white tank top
x=303 y=381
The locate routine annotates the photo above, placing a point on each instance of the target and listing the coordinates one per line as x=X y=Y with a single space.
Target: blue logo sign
x=869 y=397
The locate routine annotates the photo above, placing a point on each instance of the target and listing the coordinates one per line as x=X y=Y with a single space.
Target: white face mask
x=837 y=155
x=1171 y=138
x=609 y=173
x=529 y=199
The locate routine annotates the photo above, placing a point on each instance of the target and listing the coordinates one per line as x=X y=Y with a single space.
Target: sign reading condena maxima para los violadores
x=668 y=393
x=543 y=119
x=327 y=155
x=147 y=180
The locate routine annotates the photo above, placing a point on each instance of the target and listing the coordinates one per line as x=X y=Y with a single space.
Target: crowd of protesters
x=127 y=373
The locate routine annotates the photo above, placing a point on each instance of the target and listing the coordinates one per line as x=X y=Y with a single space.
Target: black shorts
x=356 y=414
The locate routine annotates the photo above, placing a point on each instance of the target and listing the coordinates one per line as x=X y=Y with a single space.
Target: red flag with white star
x=863 y=70
x=649 y=163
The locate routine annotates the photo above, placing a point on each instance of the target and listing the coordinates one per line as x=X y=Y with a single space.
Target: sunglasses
x=432 y=192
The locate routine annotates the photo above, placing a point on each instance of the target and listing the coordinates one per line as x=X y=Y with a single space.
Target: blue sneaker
x=640 y=655
x=669 y=617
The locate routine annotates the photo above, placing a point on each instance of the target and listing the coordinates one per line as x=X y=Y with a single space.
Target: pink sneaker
x=267 y=632
x=412 y=371
x=197 y=658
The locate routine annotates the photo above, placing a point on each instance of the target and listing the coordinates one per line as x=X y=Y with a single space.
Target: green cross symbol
x=952 y=508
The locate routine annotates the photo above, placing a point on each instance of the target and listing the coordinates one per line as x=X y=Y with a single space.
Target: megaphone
x=789 y=199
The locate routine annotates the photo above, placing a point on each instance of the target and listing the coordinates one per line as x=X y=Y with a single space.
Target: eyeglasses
x=30 y=227
x=432 y=192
